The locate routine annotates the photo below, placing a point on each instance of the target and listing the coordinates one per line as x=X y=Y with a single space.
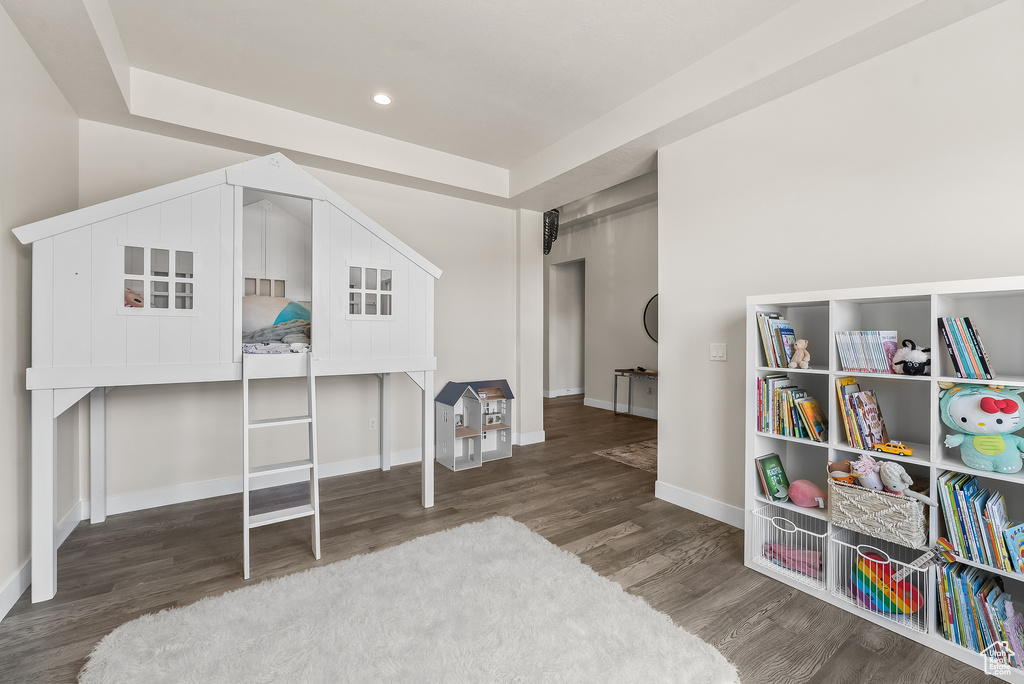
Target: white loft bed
x=192 y=249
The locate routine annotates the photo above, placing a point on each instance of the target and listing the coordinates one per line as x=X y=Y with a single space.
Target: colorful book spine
x=986 y=363
x=948 y=339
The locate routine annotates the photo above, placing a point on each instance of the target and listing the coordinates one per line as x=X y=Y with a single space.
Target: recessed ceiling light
x=382 y=98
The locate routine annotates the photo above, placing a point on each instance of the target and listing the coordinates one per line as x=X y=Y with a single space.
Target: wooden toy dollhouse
x=473 y=423
x=160 y=286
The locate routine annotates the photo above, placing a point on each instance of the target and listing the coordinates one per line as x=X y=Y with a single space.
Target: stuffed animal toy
x=133 y=298
x=984 y=417
x=866 y=472
x=841 y=471
x=801 y=358
x=909 y=360
x=896 y=481
x=807 y=494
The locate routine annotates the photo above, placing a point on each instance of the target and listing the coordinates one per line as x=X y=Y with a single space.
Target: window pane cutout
x=134 y=258
x=385 y=280
x=355 y=278
x=160 y=262
x=371 y=305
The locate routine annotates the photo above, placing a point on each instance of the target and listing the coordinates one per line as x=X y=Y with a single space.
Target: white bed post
x=428 y=439
x=44 y=552
x=98 y=455
x=385 y=421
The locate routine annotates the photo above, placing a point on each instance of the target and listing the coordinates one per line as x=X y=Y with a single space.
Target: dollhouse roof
x=274 y=173
x=453 y=391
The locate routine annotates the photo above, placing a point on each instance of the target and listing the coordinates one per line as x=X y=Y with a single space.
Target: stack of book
x=965 y=348
x=785 y=409
x=866 y=351
x=976 y=523
x=862 y=416
x=777 y=337
x=977 y=614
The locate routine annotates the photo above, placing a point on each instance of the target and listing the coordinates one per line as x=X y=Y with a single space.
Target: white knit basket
x=892 y=517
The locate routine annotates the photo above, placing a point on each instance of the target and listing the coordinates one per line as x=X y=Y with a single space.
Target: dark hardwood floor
x=682 y=563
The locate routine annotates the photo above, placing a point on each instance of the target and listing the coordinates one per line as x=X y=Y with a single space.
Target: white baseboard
x=138 y=501
x=14 y=587
x=713 y=508
x=551 y=394
x=607 y=406
x=524 y=438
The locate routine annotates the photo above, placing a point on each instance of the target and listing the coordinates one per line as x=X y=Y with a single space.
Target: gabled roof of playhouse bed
x=274 y=173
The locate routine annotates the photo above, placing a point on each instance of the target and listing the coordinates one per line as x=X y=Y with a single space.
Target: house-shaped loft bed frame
x=86 y=341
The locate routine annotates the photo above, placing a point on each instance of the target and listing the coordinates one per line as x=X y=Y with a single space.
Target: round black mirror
x=651 y=318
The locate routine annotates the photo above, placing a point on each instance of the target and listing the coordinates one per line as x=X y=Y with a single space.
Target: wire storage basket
x=791 y=544
x=892 y=517
x=876 y=575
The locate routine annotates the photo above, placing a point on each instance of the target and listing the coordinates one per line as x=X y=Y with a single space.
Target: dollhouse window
x=369 y=293
x=158 y=280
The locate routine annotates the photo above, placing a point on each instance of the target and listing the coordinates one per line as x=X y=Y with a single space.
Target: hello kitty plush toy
x=984 y=417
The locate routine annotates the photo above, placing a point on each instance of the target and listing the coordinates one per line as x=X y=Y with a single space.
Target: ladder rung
x=272 y=517
x=274 y=422
x=274 y=468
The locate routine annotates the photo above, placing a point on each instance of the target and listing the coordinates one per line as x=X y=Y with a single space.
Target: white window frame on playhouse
x=364 y=293
x=171 y=280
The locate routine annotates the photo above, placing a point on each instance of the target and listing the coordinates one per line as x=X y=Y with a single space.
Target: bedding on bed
x=274 y=320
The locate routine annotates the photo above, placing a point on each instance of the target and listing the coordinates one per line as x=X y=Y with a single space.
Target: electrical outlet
x=718 y=351
x=372 y=425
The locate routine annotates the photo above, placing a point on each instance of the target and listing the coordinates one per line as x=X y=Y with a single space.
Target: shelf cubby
x=909 y=408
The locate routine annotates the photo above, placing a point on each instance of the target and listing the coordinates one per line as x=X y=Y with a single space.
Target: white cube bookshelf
x=909 y=407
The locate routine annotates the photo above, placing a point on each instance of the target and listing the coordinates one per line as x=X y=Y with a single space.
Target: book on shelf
x=1014 y=538
x=769 y=324
x=774 y=482
x=814 y=418
x=966 y=350
x=845 y=387
x=869 y=418
x=976 y=613
x=976 y=522
x=866 y=351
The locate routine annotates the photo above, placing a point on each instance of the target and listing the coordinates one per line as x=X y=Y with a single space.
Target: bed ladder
x=250 y=372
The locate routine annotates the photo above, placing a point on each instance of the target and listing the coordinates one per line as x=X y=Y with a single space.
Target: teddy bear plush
x=801 y=358
x=984 y=417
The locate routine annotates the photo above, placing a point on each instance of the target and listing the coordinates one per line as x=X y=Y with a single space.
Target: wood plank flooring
x=682 y=563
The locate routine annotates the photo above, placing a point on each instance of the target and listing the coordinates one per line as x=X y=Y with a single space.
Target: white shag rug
x=484 y=602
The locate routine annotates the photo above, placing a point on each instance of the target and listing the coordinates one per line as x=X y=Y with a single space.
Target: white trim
x=551 y=394
x=713 y=508
x=607 y=406
x=15 y=587
x=195 y=491
x=72 y=220
x=20 y=581
x=524 y=438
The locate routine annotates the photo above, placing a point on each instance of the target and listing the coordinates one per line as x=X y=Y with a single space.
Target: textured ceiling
x=490 y=81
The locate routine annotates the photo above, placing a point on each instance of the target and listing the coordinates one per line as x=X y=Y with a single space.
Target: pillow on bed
x=262 y=312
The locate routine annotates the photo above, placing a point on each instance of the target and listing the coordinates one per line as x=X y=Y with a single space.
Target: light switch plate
x=718 y=351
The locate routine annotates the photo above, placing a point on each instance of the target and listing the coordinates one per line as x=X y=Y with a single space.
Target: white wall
x=621 y=254
x=475 y=322
x=38 y=177
x=566 y=328
x=906 y=168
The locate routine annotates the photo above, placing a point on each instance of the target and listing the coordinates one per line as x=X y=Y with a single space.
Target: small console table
x=628 y=373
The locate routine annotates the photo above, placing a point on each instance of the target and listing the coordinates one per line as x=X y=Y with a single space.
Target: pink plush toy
x=866 y=472
x=807 y=494
x=132 y=298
